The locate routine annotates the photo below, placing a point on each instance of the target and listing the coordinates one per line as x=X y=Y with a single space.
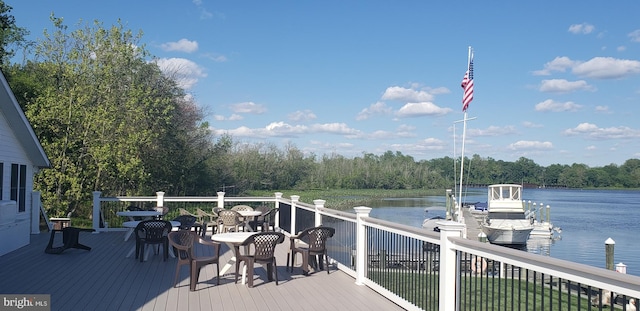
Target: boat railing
x=426 y=270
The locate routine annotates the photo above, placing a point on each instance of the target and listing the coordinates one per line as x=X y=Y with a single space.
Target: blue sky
x=555 y=81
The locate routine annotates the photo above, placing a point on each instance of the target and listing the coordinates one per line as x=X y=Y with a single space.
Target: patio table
x=132 y=214
x=231 y=239
x=246 y=215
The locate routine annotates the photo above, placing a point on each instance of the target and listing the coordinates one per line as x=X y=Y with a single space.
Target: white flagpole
x=464 y=133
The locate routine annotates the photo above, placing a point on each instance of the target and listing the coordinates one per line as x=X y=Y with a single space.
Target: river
x=587 y=219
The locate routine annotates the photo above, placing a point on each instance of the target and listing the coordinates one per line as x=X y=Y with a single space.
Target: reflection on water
x=587 y=218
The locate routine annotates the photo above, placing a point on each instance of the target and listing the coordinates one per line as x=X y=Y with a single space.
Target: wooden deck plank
x=103 y=279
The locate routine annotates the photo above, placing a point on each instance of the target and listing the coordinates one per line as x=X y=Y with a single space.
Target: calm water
x=587 y=218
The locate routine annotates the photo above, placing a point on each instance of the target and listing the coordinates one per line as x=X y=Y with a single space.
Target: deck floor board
x=103 y=279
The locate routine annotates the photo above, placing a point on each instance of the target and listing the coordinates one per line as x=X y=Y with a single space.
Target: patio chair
x=153 y=232
x=261 y=249
x=315 y=241
x=70 y=239
x=185 y=243
x=207 y=220
x=238 y=208
x=229 y=221
x=188 y=222
x=266 y=221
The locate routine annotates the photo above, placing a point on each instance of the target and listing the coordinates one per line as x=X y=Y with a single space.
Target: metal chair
x=261 y=247
x=152 y=232
x=315 y=245
x=185 y=243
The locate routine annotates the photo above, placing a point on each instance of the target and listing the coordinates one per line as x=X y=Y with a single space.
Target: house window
x=19 y=185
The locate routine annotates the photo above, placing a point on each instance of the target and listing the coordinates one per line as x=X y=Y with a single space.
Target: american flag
x=467 y=86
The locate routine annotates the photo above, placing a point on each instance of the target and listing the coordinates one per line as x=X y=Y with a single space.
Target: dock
x=473 y=226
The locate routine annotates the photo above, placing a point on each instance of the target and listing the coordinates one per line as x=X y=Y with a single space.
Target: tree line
x=109 y=119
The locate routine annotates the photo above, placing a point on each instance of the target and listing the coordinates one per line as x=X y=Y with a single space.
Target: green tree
x=12 y=37
x=108 y=119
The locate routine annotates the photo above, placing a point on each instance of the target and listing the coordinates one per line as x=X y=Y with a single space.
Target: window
x=19 y=185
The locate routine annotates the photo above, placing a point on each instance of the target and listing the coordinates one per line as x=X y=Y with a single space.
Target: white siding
x=11 y=152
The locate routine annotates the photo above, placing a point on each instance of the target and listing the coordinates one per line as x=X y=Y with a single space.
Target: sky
x=554 y=81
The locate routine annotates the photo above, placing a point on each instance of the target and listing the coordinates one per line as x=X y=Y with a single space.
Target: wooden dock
x=473 y=226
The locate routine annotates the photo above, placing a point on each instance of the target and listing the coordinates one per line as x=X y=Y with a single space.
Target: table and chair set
x=248 y=233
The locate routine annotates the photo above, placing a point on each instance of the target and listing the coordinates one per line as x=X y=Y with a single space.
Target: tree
x=109 y=119
x=11 y=36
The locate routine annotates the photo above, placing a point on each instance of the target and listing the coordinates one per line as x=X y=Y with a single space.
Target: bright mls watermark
x=25 y=302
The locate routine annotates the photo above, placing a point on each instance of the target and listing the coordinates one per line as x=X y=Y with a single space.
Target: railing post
x=220 y=199
x=318 y=204
x=448 y=298
x=35 y=212
x=294 y=200
x=361 y=242
x=276 y=221
x=160 y=199
x=97 y=213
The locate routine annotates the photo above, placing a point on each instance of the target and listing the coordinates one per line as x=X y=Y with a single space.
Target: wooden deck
x=103 y=279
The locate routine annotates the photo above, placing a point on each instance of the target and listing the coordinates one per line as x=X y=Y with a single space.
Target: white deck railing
x=354 y=246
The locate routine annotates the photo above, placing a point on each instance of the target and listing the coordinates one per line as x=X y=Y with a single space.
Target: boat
x=506 y=222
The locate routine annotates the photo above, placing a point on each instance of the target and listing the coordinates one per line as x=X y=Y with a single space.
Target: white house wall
x=17 y=233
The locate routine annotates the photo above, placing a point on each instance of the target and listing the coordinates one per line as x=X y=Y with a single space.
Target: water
x=587 y=218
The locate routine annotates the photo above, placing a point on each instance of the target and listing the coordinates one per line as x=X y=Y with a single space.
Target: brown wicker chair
x=207 y=220
x=315 y=244
x=228 y=221
x=188 y=222
x=266 y=221
x=238 y=208
x=184 y=242
x=152 y=232
x=261 y=247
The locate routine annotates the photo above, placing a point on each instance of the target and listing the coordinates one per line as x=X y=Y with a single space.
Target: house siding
x=14 y=234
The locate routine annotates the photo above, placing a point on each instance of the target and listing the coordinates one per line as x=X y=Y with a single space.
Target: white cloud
x=407 y=95
x=551 y=105
x=379 y=108
x=592 y=147
x=492 y=131
x=583 y=28
x=248 y=107
x=560 y=64
x=185 y=72
x=182 y=45
x=302 y=116
x=530 y=145
x=592 y=131
x=529 y=124
x=607 y=68
x=635 y=35
x=603 y=109
x=421 y=109
x=564 y=86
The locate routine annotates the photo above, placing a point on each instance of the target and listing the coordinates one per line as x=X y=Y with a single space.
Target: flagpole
x=464 y=133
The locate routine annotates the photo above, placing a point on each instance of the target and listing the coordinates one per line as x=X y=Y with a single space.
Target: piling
x=609 y=245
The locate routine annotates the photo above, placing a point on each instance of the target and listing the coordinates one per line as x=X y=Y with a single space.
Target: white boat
x=506 y=222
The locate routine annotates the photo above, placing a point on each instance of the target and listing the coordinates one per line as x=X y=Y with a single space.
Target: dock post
x=609 y=245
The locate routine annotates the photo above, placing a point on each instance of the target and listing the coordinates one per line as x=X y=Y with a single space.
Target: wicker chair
x=207 y=220
x=152 y=232
x=315 y=244
x=261 y=248
x=185 y=242
x=229 y=220
x=188 y=222
x=266 y=221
